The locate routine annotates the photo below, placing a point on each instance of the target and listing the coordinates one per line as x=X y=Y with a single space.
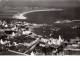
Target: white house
x=26 y=32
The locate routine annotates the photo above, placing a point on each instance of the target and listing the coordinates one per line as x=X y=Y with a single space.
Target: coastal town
x=39 y=27
x=17 y=37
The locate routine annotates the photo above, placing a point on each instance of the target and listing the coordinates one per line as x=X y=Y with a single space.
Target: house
x=26 y=32
x=56 y=41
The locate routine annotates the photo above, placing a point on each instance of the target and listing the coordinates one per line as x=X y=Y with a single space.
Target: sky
x=64 y=2
x=39 y=0
x=48 y=0
x=45 y=0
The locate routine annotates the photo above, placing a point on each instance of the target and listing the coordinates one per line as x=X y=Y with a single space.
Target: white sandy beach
x=21 y=15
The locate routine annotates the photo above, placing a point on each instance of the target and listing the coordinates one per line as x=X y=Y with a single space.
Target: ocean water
x=62 y=23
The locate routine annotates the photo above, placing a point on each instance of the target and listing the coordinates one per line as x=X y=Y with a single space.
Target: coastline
x=21 y=15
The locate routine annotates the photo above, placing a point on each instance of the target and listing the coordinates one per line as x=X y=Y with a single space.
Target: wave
x=21 y=15
x=64 y=21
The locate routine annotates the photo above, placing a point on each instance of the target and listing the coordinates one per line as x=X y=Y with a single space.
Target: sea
x=65 y=22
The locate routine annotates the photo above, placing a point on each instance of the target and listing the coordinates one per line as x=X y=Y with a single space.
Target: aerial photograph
x=40 y=27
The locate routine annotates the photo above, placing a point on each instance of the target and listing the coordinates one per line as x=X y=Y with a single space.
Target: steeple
x=13 y=34
x=60 y=39
x=1 y=41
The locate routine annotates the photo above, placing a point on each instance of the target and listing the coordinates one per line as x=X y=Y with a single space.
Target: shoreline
x=21 y=15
